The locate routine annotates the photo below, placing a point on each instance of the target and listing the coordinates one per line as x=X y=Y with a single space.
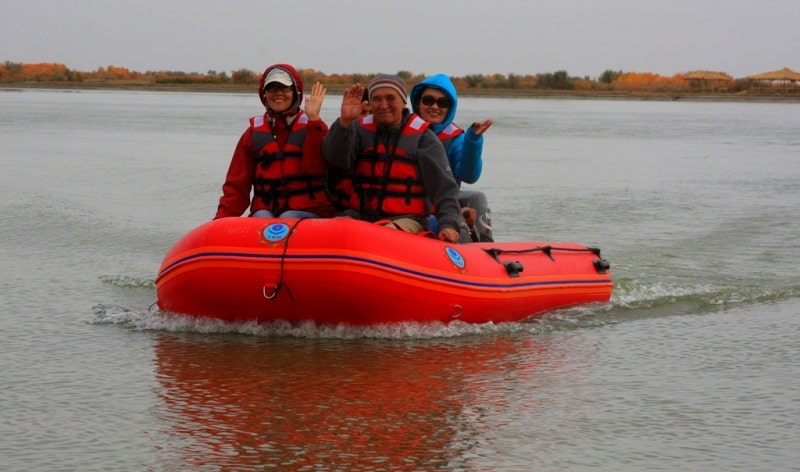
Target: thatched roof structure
x=707 y=79
x=783 y=75
x=706 y=75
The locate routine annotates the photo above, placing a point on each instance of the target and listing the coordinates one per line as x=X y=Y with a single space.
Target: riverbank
x=497 y=93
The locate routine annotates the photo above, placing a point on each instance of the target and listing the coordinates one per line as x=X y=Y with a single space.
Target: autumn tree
x=362 y=79
x=243 y=76
x=11 y=71
x=646 y=81
x=40 y=72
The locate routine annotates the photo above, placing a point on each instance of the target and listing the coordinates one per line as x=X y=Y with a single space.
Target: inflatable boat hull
x=342 y=270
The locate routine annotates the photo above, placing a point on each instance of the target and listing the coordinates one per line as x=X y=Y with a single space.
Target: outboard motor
x=481 y=228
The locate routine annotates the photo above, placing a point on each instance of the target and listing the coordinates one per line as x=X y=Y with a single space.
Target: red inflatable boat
x=341 y=270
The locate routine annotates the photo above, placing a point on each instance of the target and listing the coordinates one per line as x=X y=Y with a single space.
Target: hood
x=440 y=82
x=298 y=85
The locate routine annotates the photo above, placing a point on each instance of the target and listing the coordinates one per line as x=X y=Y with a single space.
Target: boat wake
x=124 y=281
x=156 y=320
x=639 y=299
x=632 y=299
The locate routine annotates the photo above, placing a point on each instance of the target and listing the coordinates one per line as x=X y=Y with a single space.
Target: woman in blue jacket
x=435 y=100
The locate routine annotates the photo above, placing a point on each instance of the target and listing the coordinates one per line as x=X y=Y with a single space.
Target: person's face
x=387 y=106
x=279 y=96
x=366 y=109
x=433 y=105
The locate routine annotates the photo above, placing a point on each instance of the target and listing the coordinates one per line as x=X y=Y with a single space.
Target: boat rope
x=547 y=250
x=279 y=285
x=515 y=267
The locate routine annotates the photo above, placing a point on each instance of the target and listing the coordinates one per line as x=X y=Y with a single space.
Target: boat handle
x=271 y=295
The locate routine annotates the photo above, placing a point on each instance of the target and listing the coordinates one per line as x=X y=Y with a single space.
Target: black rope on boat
x=494 y=253
x=514 y=268
x=280 y=283
x=547 y=250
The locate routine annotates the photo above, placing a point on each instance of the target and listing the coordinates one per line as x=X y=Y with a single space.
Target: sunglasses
x=274 y=88
x=441 y=102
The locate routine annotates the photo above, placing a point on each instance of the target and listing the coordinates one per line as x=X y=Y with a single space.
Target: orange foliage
x=581 y=84
x=624 y=82
x=41 y=72
x=646 y=80
x=114 y=73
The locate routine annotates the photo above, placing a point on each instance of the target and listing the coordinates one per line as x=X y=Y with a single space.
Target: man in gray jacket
x=394 y=166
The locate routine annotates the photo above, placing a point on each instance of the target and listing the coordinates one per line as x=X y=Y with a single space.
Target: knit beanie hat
x=391 y=81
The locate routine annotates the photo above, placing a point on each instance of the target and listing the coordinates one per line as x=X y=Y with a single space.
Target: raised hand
x=351 y=105
x=480 y=127
x=314 y=101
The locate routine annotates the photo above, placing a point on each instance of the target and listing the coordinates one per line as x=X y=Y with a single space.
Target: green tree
x=499 y=81
x=473 y=80
x=609 y=76
x=558 y=80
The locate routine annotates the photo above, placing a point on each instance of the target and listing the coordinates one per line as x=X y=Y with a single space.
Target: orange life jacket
x=386 y=179
x=447 y=135
x=280 y=180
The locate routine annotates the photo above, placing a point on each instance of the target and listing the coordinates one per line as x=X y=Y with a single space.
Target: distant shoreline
x=494 y=93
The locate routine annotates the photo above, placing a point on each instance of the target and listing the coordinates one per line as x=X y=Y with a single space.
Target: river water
x=693 y=365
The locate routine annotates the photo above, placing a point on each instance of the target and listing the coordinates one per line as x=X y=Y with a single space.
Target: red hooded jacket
x=238 y=184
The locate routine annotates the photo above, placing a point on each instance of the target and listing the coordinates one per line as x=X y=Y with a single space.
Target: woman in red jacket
x=279 y=156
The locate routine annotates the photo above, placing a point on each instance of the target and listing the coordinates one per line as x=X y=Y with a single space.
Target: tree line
x=610 y=80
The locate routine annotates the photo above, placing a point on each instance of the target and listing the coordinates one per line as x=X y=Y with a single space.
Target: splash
x=125 y=281
x=632 y=299
x=154 y=319
x=678 y=296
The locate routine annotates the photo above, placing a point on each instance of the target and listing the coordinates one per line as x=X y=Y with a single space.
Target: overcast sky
x=582 y=37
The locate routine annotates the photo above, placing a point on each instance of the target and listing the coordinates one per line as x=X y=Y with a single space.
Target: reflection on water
x=235 y=402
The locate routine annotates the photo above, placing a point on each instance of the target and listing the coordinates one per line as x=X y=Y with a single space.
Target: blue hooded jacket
x=465 y=150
